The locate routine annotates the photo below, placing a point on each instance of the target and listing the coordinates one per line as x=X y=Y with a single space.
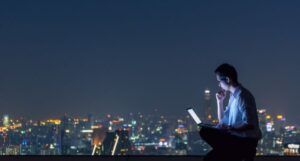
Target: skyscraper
x=208 y=113
x=97 y=140
x=90 y=121
x=5 y=120
x=66 y=135
x=109 y=143
x=124 y=145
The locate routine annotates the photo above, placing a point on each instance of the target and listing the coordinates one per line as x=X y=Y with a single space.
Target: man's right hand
x=220 y=96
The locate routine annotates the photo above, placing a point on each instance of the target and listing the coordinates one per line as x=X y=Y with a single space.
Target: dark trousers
x=228 y=147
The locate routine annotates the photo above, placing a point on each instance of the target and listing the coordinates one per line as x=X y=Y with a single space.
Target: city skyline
x=135 y=134
x=118 y=57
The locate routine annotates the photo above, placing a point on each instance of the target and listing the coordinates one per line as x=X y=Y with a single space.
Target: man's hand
x=224 y=127
x=220 y=96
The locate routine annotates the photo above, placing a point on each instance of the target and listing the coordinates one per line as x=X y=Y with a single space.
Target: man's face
x=222 y=82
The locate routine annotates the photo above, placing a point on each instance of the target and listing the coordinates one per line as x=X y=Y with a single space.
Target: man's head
x=226 y=76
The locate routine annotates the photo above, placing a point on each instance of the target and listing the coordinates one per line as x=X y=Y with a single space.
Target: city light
x=279 y=117
x=294 y=146
x=261 y=111
x=54 y=121
x=207 y=91
x=269 y=127
x=87 y=131
x=133 y=135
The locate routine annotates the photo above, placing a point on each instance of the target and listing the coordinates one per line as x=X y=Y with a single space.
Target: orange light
x=54 y=121
x=268 y=117
x=279 y=117
x=162 y=139
x=209 y=116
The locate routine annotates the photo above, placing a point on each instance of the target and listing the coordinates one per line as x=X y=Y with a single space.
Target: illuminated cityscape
x=114 y=78
x=132 y=134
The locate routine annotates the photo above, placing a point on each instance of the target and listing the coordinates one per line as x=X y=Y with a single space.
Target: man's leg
x=250 y=149
x=217 y=140
x=225 y=146
x=213 y=137
x=244 y=148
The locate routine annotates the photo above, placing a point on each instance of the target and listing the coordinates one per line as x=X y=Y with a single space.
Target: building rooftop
x=133 y=158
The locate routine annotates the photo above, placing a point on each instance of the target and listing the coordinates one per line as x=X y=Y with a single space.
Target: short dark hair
x=227 y=70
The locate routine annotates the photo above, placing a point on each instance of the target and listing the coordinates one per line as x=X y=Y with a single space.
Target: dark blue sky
x=102 y=56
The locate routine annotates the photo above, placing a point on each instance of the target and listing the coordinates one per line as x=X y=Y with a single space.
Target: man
x=237 y=133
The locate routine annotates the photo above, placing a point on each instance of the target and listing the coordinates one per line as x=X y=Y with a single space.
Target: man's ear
x=228 y=80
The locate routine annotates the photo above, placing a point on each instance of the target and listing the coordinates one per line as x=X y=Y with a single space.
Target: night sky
x=81 y=57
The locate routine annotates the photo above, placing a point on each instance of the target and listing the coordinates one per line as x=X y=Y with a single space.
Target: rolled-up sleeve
x=225 y=119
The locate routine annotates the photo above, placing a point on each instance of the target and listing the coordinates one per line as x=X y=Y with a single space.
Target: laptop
x=197 y=119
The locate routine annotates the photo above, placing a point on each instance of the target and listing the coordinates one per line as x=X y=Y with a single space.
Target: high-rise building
x=208 y=112
x=98 y=135
x=117 y=143
x=12 y=150
x=83 y=142
x=263 y=143
x=109 y=143
x=25 y=149
x=5 y=120
x=124 y=145
x=279 y=124
x=90 y=121
x=66 y=135
x=292 y=149
x=97 y=140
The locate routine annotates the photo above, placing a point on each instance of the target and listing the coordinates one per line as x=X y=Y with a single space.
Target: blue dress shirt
x=241 y=110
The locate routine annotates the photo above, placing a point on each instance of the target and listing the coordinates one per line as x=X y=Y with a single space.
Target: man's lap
x=222 y=139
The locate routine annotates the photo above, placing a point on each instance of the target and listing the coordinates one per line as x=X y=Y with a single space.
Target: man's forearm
x=220 y=110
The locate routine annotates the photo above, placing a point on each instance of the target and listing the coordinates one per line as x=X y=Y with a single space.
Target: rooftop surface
x=132 y=158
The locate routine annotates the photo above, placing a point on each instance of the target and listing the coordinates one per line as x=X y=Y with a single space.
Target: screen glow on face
x=194 y=116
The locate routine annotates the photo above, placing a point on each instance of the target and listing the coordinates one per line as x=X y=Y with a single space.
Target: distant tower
x=5 y=120
x=109 y=143
x=65 y=134
x=279 y=123
x=124 y=145
x=208 y=114
x=117 y=143
x=98 y=137
x=262 y=118
x=90 y=121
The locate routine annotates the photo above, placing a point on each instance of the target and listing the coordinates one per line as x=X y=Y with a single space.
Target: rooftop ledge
x=133 y=158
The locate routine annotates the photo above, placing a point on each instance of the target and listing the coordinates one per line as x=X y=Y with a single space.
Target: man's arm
x=246 y=106
x=241 y=127
x=220 y=110
x=220 y=96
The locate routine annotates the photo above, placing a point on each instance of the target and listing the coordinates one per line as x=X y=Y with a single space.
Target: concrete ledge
x=131 y=158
